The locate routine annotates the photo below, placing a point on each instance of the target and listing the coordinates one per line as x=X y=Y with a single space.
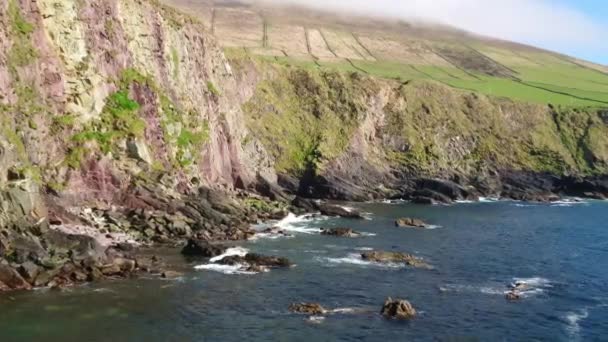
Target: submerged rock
x=411 y=223
x=340 y=232
x=202 y=248
x=395 y=257
x=308 y=308
x=398 y=309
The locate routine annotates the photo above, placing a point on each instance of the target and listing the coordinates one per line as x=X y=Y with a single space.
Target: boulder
x=336 y=210
x=29 y=271
x=340 y=232
x=398 y=309
x=202 y=248
x=11 y=279
x=138 y=150
x=410 y=222
x=395 y=257
x=307 y=308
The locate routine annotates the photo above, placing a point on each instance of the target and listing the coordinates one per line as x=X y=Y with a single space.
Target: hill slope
x=402 y=50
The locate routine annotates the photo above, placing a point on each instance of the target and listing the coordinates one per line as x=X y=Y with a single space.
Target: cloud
x=542 y=23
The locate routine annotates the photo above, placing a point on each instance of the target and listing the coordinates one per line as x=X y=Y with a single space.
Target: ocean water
x=560 y=250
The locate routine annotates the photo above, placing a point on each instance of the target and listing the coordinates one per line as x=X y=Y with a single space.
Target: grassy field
x=553 y=82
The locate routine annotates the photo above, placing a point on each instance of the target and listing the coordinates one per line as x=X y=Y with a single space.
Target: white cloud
x=543 y=23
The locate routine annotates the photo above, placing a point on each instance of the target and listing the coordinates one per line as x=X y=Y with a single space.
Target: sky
x=575 y=27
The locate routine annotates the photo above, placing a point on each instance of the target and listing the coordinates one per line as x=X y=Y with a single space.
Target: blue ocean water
x=560 y=250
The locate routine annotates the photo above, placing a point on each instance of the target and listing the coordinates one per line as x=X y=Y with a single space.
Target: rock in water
x=410 y=222
x=202 y=248
x=253 y=259
x=395 y=257
x=340 y=232
x=513 y=295
x=336 y=210
x=308 y=308
x=398 y=309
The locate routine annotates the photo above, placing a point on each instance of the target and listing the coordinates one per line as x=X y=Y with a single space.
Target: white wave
x=489 y=290
x=394 y=201
x=234 y=251
x=367 y=216
x=364 y=248
x=270 y=236
x=299 y=224
x=432 y=226
x=316 y=319
x=465 y=201
x=525 y=205
x=343 y=310
x=226 y=269
x=355 y=259
x=347 y=208
x=572 y=320
x=532 y=282
x=488 y=199
x=368 y=234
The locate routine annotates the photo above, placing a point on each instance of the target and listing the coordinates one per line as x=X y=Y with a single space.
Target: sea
x=559 y=251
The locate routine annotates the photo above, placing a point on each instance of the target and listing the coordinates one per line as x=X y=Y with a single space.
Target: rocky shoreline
x=66 y=246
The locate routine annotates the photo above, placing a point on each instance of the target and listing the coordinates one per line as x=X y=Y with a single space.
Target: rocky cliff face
x=351 y=136
x=130 y=107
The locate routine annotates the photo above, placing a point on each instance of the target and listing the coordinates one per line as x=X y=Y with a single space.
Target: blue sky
x=575 y=27
x=597 y=10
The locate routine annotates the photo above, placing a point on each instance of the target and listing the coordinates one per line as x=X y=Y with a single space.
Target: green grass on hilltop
x=545 y=79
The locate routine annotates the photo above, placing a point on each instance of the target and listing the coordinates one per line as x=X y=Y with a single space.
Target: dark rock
x=203 y=249
x=423 y=200
x=256 y=260
x=398 y=309
x=426 y=195
x=336 y=210
x=340 y=232
x=445 y=190
x=308 y=308
x=29 y=271
x=410 y=222
x=304 y=203
x=267 y=189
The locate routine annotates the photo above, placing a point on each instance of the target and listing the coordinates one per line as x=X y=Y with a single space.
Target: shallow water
x=560 y=250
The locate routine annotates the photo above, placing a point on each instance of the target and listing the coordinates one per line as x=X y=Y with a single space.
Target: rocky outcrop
x=398 y=309
x=395 y=257
x=340 y=232
x=308 y=308
x=203 y=248
x=406 y=222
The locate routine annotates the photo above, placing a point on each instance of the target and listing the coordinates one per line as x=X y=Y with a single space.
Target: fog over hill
x=542 y=23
